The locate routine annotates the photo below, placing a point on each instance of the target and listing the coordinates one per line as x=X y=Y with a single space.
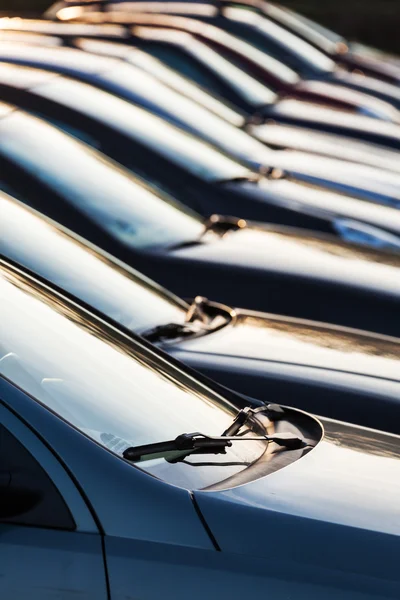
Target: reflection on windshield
x=61 y=258
x=164 y=74
x=142 y=127
x=243 y=84
x=111 y=389
x=313 y=57
x=108 y=195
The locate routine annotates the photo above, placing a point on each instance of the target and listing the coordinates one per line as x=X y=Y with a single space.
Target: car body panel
x=151 y=146
x=350 y=463
x=251 y=352
x=370 y=184
x=276 y=339
x=269 y=261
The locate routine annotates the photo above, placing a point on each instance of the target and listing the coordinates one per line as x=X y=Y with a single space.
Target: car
x=339 y=373
x=275 y=135
x=207 y=66
x=255 y=29
x=127 y=473
x=353 y=55
x=259 y=267
x=18 y=85
x=200 y=176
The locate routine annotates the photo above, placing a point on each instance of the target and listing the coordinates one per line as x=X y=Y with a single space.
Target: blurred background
x=374 y=22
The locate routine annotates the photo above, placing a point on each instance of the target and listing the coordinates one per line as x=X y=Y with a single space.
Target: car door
x=50 y=546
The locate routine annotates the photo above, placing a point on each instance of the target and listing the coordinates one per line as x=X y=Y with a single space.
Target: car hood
x=368 y=85
x=363 y=103
x=358 y=180
x=293 y=252
x=333 y=513
x=272 y=338
x=303 y=112
x=325 y=144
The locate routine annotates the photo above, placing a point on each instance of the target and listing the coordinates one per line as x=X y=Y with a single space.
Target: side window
x=27 y=495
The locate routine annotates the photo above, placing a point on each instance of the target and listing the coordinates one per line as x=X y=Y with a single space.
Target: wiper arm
x=199 y=443
x=221 y=225
x=169 y=331
x=196 y=320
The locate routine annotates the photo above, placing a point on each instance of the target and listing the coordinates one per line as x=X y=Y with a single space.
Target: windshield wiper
x=196 y=320
x=221 y=225
x=199 y=443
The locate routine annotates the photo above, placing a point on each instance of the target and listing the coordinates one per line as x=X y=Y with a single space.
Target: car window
x=63 y=259
x=112 y=389
x=111 y=197
x=27 y=494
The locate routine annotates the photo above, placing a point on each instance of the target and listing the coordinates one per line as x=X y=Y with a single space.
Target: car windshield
x=309 y=55
x=163 y=73
x=114 y=289
x=209 y=60
x=136 y=215
x=165 y=139
x=322 y=37
x=111 y=388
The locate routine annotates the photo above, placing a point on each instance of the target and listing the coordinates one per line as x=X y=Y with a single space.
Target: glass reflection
x=63 y=259
x=111 y=389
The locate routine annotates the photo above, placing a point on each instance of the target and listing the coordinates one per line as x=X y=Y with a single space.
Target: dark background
x=374 y=22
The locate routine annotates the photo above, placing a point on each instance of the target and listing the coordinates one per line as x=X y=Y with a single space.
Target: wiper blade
x=199 y=443
x=196 y=320
x=221 y=225
x=169 y=331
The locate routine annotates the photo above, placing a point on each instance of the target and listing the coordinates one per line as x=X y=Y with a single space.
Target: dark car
x=209 y=68
x=257 y=30
x=26 y=87
x=199 y=175
x=340 y=373
x=269 y=268
x=281 y=80
x=108 y=492
x=134 y=87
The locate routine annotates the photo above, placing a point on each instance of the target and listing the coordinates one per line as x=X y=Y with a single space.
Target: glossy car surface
x=69 y=408
x=200 y=176
x=258 y=267
x=274 y=134
x=336 y=372
x=261 y=32
x=24 y=86
x=182 y=50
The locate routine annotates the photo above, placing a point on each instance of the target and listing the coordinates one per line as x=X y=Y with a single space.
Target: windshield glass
x=243 y=84
x=137 y=216
x=136 y=123
x=79 y=268
x=317 y=34
x=163 y=73
x=292 y=43
x=111 y=388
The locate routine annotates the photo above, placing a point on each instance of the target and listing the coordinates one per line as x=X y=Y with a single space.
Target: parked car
x=275 y=135
x=97 y=434
x=280 y=80
x=340 y=373
x=257 y=30
x=182 y=51
x=25 y=87
x=200 y=176
x=258 y=267
x=350 y=54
